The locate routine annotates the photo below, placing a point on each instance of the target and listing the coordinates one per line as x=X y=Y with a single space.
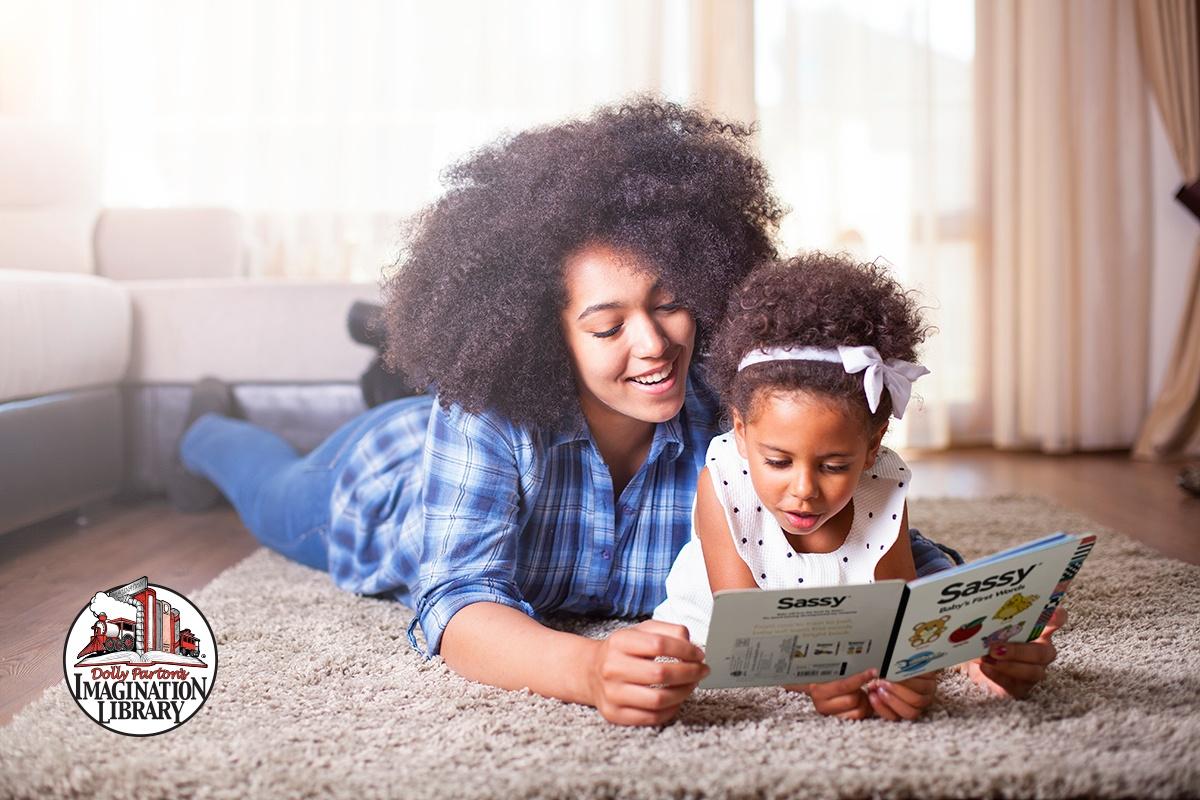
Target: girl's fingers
x=917 y=697
x=881 y=707
x=1039 y=653
x=841 y=703
x=1057 y=620
x=1018 y=671
x=844 y=686
x=1005 y=684
x=901 y=706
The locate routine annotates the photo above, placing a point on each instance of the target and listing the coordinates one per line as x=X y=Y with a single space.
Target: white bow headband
x=896 y=375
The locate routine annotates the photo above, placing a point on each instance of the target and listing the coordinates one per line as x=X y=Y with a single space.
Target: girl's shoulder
x=888 y=466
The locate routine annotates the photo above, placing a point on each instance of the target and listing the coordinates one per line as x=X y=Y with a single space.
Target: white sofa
x=108 y=315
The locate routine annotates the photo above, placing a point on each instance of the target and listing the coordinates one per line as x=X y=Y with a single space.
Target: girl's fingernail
x=1001 y=650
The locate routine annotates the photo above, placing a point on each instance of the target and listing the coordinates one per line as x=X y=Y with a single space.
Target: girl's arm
x=726 y=569
x=898 y=562
x=501 y=646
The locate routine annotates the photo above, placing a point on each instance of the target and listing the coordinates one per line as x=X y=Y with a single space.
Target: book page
x=958 y=616
x=783 y=636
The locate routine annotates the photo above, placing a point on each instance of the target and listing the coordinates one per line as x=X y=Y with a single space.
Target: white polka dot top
x=878 y=510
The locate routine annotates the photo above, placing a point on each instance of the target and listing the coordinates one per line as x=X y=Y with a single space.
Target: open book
x=782 y=636
x=135 y=658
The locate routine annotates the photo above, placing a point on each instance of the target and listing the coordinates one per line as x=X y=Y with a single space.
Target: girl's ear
x=739 y=434
x=874 y=445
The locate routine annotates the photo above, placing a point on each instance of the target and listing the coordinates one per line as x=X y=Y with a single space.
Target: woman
x=557 y=296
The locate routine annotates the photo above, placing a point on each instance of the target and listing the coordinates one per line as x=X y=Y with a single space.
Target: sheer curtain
x=865 y=113
x=324 y=122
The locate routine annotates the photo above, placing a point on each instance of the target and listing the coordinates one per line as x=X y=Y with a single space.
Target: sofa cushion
x=148 y=243
x=243 y=330
x=49 y=198
x=60 y=332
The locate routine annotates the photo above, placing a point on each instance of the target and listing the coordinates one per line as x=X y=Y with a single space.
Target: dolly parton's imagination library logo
x=140 y=659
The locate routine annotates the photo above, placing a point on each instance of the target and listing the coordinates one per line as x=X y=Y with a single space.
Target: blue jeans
x=281 y=496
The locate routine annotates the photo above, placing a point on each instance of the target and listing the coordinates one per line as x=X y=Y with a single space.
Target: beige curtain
x=1065 y=221
x=721 y=57
x=1169 y=32
x=866 y=126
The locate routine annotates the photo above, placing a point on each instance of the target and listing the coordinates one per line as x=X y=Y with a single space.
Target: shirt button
x=605 y=554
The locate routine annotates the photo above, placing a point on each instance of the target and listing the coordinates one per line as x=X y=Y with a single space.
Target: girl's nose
x=804 y=487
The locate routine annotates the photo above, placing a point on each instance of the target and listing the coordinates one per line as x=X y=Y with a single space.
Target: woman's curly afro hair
x=813 y=300
x=473 y=302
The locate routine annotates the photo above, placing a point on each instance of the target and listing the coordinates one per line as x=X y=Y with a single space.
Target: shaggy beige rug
x=358 y=714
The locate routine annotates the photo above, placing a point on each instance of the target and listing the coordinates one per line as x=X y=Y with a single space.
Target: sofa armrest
x=161 y=243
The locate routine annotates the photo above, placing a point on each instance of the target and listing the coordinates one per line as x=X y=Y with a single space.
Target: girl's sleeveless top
x=761 y=543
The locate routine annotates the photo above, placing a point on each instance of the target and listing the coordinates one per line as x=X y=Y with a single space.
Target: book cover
x=818 y=634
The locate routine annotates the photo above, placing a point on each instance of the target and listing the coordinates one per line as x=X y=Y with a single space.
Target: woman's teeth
x=657 y=377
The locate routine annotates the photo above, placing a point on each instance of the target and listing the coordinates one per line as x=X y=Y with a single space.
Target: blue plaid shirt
x=441 y=508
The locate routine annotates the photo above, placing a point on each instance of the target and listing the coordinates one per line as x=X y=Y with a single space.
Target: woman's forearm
x=501 y=646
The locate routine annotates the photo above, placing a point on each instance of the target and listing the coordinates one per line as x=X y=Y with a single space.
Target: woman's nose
x=650 y=341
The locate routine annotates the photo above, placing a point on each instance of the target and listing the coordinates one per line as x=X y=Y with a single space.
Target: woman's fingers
x=653 y=639
x=651 y=699
x=640 y=716
x=644 y=672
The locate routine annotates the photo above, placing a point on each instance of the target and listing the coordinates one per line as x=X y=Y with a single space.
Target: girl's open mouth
x=802 y=522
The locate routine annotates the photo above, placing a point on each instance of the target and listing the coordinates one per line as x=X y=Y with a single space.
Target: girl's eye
x=605 y=334
x=777 y=464
x=835 y=468
x=669 y=307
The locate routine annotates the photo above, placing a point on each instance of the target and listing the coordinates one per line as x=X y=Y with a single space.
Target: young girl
x=814 y=356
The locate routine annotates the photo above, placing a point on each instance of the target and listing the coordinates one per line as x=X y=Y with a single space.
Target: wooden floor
x=48 y=572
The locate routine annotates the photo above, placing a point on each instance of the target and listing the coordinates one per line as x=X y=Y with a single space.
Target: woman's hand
x=844 y=699
x=629 y=687
x=1012 y=669
x=906 y=699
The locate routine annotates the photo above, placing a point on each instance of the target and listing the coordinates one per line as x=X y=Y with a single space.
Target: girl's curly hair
x=813 y=300
x=473 y=302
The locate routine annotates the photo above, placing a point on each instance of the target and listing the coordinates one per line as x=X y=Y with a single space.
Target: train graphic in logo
x=154 y=632
x=140 y=658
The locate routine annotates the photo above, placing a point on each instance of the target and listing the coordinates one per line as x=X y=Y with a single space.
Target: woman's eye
x=777 y=463
x=835 y=468
x=610 y=332
x=669 y=307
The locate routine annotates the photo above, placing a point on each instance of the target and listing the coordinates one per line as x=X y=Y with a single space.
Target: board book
x=903 y=629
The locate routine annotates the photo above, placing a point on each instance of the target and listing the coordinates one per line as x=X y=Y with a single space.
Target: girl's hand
x=843 y=698
x=1012 y=669
x=628 y=687
x=906 y=699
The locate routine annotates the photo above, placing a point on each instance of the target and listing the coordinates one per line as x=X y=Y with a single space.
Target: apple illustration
x=967 y=631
